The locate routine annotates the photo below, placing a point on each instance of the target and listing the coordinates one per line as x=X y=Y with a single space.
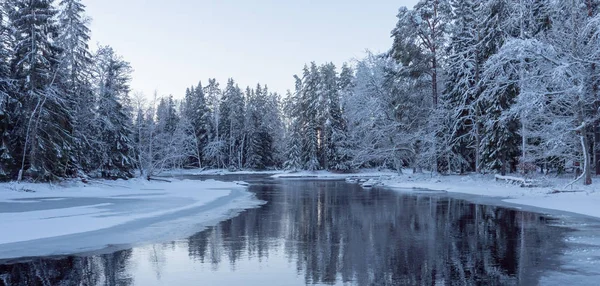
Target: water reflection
x=329 y=232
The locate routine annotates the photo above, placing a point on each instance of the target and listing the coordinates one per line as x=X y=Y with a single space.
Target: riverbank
x=549 y=193
x=51 y=219
x=216 y=172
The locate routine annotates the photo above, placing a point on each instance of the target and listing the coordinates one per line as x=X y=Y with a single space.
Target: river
x=330 y=233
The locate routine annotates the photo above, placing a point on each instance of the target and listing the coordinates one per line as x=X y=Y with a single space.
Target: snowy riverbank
x=216 y=172
x=45 y=219
x=578 y=199
x=550 y=195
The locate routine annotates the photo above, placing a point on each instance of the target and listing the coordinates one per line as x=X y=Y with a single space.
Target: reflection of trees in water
x=108 y=269
x=377 y=237
x=333 y=231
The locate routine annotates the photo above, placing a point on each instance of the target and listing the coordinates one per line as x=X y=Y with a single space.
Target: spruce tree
x=259 y=141
x=334 y=129
x=309 y=118
x=75 y=59
x=462 y=125
x=294 y=128
x=232 y=123
x=6 y=158
x=42 y=111
x=198 y=114
x=116 y=159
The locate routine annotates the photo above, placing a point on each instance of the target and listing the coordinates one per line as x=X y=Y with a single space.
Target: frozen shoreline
x=44 y=219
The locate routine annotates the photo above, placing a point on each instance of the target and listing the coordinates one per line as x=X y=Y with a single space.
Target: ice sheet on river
x=43 y=219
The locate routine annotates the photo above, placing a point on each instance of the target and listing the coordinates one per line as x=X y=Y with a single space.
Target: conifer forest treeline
x=467 y=86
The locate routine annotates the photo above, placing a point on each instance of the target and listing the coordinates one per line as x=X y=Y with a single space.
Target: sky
x=174 y=44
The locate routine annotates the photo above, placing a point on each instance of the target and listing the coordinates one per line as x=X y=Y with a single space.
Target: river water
x=330 y=233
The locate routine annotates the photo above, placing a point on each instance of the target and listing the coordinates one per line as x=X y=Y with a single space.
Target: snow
x=216 y=172
x=583 y=200
x=366 y=173
x=44 y=219
x=550 y=195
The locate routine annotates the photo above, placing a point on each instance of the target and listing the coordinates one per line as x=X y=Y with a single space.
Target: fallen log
x=523 y=183
x=157 y=179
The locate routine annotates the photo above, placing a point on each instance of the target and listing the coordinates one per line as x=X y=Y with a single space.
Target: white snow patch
x=581 y=199
x=30 y=212
x=217 y=172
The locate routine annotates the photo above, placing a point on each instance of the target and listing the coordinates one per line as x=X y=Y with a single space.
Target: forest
x=497 y=86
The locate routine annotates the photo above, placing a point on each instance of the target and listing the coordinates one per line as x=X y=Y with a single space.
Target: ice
x=44 y=219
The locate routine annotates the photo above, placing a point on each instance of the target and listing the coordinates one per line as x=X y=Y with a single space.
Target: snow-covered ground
x=367 y=173
x=44 y=219
x=550 y=195
x=216 y=172
x=577 y=198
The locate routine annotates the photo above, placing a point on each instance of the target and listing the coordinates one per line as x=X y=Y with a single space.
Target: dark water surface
x=329 y=232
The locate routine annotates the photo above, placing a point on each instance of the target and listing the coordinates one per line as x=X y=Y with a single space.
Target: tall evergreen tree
x=294 y=128
x=259 y=142
x=309 y=118
x=116 y=159
x=232 y=123
x=75 y=59
x=198 y=114
x=462 y=114
x=334 y=129
x=6 y=158
x=215 y=149
x=42 y=113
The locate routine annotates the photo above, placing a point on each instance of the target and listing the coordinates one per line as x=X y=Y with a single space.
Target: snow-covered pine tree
x=293 y=128
x=334 y=128
x=7 y=164
x=275 y=130
x=259 y=141
x=75 y=59
x=140 y=138
x=309 y=118
x=43 y=118
x=197 y=113
x=462 y=125
x=215 y=149
x=166 y=116
x=422 y=32
x=500 y=145
x=506 y=139
x=232 y=123
x=345 y=146
x=112 y=76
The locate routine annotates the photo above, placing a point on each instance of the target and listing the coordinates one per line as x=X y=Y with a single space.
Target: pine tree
x=215 y=149
x=294 y=128
x=114 y=122
x=462 y=128
x=334 y=129
x=275 y=130
x=309 y=118
x=75 y=59
x=42 y=111
x=232 y=123
x=419 y=39
x=6 y=158
x=259 y=141
x=198 y=114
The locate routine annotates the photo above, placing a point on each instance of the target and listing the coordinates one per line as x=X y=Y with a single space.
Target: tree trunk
x=586 y=160
x=477 y=154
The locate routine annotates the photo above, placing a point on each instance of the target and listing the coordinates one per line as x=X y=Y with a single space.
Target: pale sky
x=173 y=44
